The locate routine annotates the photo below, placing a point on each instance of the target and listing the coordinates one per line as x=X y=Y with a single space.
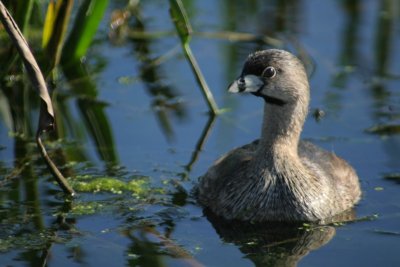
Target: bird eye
x=269 y=72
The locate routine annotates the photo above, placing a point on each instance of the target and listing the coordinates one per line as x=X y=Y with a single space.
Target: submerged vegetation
x=138 y=186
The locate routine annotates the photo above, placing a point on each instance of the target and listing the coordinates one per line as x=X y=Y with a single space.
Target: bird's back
x=233 y=182
x=342 y=176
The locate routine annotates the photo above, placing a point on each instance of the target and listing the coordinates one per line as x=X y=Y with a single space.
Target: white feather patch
x=250 y=83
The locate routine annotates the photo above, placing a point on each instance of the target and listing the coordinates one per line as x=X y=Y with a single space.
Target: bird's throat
x=270 y=100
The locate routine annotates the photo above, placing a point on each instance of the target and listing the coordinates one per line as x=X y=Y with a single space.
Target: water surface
x=154 y=130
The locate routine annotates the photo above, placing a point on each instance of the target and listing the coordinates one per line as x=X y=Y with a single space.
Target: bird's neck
x=281 y=129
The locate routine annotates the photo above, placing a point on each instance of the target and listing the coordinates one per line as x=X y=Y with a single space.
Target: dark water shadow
x=152 y=248
x=199 y=146
x=276 y=243
x=166 y=102
x=91 y=110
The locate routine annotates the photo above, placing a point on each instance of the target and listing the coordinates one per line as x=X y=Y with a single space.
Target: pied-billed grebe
x=278 y=177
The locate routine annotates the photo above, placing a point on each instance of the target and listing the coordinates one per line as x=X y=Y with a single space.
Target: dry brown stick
x=62 y=182
x=46 y=118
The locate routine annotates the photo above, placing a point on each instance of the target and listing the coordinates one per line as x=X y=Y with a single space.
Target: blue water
x=348 y=83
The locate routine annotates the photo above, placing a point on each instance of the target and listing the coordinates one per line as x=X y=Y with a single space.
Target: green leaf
x=49 y=22
x=89 y=16
x=55 y=27
x=24 y=13
x=181 y=21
